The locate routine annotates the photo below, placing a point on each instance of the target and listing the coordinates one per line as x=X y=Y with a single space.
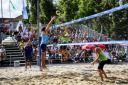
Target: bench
x=57 y=57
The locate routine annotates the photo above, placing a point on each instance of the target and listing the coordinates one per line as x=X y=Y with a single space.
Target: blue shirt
x=44 y=39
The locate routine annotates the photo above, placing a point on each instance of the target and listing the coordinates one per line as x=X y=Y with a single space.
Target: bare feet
x=44 y=67
x=40 y=68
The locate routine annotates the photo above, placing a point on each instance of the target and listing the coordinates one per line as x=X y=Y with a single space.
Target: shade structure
x=88 y=46
x=102 y=46
x=91 y=46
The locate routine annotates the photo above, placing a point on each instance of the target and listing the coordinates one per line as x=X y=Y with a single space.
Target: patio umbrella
x=88 y=46
x=102 y=46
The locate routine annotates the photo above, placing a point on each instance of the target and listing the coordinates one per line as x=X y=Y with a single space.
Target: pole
x=10 y=19
x=127 y=53
x=9 y=10
x=2 y=10
x=39 y=38
x=38 y=17
x=1 y=38
x=101 y=31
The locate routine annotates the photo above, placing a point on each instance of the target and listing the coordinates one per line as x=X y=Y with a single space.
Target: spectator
x=28 y=54
x=2 y=55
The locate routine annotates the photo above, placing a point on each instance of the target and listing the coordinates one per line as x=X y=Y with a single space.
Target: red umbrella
x=102 y=46
x=88 y=46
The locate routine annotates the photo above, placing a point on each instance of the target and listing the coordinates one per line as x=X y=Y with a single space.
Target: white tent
x=9 y=11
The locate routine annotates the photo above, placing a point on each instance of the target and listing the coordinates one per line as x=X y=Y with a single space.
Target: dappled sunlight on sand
x=64 y=74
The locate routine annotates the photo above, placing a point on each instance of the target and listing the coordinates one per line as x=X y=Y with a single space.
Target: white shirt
x=2 y=50
x=107 y=54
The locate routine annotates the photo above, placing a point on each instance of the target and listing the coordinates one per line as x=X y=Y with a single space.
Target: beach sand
x=64 y=74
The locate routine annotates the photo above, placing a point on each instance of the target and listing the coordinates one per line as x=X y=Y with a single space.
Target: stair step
x=15 y=57
x=13 y=50
x=22 y=64
x=14 y=53
x=10 y=45
x=24 y=60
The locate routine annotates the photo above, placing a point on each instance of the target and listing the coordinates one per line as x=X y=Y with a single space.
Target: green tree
x=47 y=10
x=86 y=8
x=114 y=23
x=68 y=9
x=32 y=12
x=28 y=11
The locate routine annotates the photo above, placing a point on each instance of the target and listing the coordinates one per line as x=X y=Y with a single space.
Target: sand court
x=64 y=74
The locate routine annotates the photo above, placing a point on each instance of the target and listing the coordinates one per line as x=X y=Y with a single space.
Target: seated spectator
x=21 y=45
x=65 y=36
x=53 y=51
x=64 y=52
x=2 y=55
x=114 y=57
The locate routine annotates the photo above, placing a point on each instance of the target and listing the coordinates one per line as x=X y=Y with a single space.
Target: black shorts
x=102 y=63
x=28 y=58
x=43 y=47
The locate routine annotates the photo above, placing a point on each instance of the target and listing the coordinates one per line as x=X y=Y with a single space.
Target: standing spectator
x=19 y=34
x=28 y=54
x=29 y=33
x=2 y=55
x=44 y=41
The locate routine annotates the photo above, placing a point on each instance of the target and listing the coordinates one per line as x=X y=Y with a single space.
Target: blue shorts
x=43 y=47
x=28 y=58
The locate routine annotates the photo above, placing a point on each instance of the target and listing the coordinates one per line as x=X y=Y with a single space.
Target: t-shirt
x=64 y=39
x=102 y=56
x=107 y=55
x=44 y=39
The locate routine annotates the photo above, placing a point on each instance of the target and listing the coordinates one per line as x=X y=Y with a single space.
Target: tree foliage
x=47 y=10
x=68 y=9
x=33 y=11
x=114 y=25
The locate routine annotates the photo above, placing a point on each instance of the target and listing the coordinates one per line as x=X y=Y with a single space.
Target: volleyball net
x=79 y=29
